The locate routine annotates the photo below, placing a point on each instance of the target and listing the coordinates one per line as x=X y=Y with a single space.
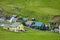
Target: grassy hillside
x=30 y=34
x=42 y=10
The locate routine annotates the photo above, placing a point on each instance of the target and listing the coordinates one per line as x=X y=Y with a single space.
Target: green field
x=30 y=34
x=42 y=10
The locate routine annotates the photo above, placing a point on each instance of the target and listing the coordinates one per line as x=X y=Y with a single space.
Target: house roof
x=29 y=22
x=6 y=25
x=37 y=24
x=14 y=25
x=1 y=20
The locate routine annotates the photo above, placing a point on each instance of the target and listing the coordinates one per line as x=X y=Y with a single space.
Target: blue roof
x=37 y=24
x=14 y=25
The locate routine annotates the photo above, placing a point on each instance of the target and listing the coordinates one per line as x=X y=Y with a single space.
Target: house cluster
x=11 y=23
x=55 y=23
x=18 y=24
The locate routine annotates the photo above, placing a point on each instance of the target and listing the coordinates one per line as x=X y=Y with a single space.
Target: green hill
x=42 y=10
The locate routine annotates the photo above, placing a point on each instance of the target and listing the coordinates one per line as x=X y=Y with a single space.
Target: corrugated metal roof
x=37 y=24
x=14 y=25
x=6 y=25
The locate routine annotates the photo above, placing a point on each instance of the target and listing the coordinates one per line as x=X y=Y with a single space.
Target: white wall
x=59 y=28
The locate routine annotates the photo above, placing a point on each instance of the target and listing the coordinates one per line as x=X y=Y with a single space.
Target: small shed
x=33 y=19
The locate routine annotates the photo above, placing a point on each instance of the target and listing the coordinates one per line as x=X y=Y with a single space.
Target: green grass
x=30 y=34
x=42 y=10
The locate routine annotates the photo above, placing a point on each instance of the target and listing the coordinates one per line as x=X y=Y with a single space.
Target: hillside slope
x=42 y=10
